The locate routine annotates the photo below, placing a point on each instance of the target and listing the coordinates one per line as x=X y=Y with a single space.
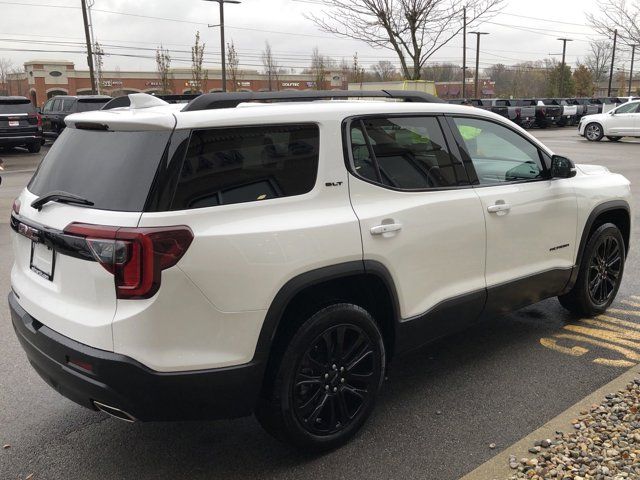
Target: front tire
x=600 y=273
x=327 y=381
x=34 y=147
x=594 y=132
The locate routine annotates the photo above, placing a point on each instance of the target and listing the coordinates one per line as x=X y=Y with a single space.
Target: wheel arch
x=365 y=283
x=617 y=212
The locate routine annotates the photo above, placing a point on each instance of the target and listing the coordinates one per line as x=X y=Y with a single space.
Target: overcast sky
x=57 y=32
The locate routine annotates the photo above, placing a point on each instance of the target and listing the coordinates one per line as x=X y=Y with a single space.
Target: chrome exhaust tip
x=114 y=412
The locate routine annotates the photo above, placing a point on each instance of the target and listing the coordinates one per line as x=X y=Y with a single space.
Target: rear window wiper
x=61 y=197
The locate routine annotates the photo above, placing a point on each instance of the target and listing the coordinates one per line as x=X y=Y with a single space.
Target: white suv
x=227 y=257
x=623 y=121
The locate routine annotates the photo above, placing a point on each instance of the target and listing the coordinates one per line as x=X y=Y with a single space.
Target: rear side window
x=247 y=164
x=89 y=105
x=408 y=153
x=67 y=104
x=16 y=106
x=114 y=170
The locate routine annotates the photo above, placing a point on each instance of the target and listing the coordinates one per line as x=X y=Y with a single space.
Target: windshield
x=114 y=170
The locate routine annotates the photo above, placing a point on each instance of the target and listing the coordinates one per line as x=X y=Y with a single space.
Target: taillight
x=15 y=208
x=135 y=256
x=35 y=119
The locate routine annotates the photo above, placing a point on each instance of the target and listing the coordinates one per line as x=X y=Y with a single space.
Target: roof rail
x=124 y=100
x=211 y=101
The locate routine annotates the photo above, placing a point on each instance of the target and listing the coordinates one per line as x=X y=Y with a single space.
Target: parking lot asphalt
x=439 y=411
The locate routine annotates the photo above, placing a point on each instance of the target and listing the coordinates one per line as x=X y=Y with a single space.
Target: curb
x=497 y=468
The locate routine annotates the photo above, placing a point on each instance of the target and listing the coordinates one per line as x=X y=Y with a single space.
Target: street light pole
x=613 y=60
x=564 y=54
x=633 y=57
x=464 y=54
x=222 y=44
x=478 y=59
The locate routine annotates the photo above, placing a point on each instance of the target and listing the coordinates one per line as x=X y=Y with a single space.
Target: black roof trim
x=124 y=101
x=211 y=101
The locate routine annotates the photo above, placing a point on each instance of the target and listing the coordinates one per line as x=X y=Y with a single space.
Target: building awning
x=488 y=91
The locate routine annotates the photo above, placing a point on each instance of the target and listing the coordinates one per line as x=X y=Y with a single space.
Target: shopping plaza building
x=42 y=80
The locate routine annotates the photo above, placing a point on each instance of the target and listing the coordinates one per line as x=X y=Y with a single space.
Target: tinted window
x=47 y=106
x=406 y=153
x=88 y=105
x=67 y=104
x=498 y=153
x=57 y=105
x=628 y=108
x=248 y=164
x=16 y=106
x=112 y=169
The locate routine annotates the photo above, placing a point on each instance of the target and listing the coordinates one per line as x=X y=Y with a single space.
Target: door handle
x=386 y=228
x=499 y=207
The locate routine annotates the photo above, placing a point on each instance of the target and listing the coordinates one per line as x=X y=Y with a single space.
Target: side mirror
x=562 y=167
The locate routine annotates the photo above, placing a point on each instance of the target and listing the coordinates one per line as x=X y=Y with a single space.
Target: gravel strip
x=604 y=445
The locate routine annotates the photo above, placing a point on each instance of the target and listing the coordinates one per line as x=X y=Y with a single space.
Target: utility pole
x=564 y=54
x=222 y=44
x=89 y=52
x=478 y=59
x=633 y=57
x=613 y=60
x=90 y=5
x=463 y=93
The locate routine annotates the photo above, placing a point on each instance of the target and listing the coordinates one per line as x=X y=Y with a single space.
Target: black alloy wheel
x=604 y=270
x=335 y=379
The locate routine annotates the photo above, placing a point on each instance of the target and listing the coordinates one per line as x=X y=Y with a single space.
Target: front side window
x=628 y=108
x=57 y=105
x=499 y=154
x=47 y=106
x=224 y=166
x=408 y=153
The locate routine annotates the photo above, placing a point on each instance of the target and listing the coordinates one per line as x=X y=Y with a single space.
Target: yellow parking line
x=552 y=344
x=629 y=302
x=630 y=354
x=610 y=326
x=607 y=335
x=624 y=312
x=614 y=363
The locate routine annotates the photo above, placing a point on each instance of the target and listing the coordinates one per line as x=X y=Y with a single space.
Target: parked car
x=569 y=112
x=623 y=121
x=519 y=114
x=57 y=108
x=545 y=115
x=20 y=124
x=609 y=103
x=585 y=107
x=214 y=260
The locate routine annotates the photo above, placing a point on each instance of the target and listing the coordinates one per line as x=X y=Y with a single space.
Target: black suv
x=20 y=124
x=57 y=108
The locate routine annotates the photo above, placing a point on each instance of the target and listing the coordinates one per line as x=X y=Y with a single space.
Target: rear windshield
x=88 y=105
x=16 y=106
x=114 y=170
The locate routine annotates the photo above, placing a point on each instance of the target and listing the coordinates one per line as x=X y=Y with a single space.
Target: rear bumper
x=17 y=140
x=121 y=382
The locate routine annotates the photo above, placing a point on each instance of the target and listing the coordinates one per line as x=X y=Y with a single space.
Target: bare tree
x=199 y=75
x=163 y=67
x=622 y=15
x=442 y=72
x=599 y=60
x=6 y=67
x=232 y=65
x=270 y=66
x=385 y=71
x=318 y=69
x=414 y=29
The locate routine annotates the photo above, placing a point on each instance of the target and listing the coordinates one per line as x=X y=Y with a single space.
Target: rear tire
x=34 y=147
x=594 y=132
x=614 y=139
x=325 y=385
x=600 y=273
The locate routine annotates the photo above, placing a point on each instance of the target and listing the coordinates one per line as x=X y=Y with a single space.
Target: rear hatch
x=57 y=274
x=18 y=117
